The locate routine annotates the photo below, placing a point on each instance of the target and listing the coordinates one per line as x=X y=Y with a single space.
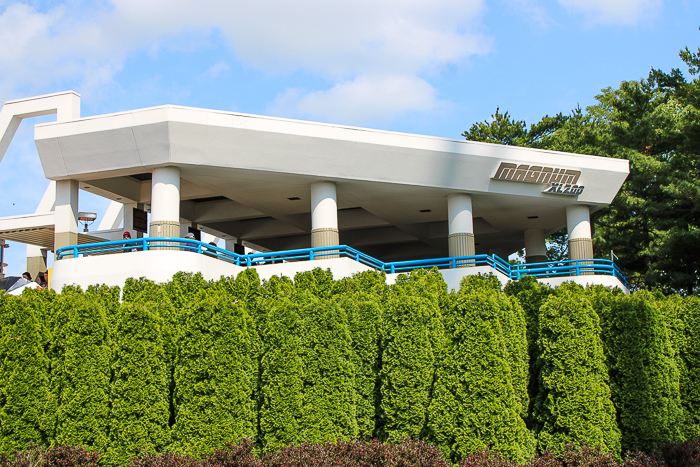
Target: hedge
x=573 y=406
x=191 y=365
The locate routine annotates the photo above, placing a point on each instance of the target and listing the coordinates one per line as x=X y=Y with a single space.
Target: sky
x=429 y=67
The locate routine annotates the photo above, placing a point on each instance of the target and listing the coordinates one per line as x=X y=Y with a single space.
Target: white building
x=276 y=185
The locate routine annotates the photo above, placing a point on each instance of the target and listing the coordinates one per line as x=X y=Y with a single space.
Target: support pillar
x=579 y=227
x=165 y=202
x=535 y=246
x=324 y=215
x=460 y=225
x=66 y=214
x=36 y=263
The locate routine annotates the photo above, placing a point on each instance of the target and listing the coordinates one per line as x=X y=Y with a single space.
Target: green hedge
x=573 y=405
x=191 y=365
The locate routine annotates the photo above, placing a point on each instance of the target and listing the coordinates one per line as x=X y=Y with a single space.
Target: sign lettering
x=563 y=181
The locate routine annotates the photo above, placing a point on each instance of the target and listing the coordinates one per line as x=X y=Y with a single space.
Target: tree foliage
x=653 y=224
x=573 y=405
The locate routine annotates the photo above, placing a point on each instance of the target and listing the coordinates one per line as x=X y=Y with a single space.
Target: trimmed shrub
x=139 y=388
x=166 y=459
x=573 y=405
x=486 y=458
x=24 y=376
x=281 y=376
x=72 y=456
x=215 y=375
x=643 y=373
x=412 y=343
x=329 y=374
x=241 y=454
x=683 y=316
x=82 y=374
x=474 y=404
x=531 y=294
x=364 y=323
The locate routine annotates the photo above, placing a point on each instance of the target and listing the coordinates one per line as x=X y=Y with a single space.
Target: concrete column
x=165 y=202
x=324 y=215
x=579 y=227
x=66 y=214
x=535 y=246
x=460 y=225
x=37 y=263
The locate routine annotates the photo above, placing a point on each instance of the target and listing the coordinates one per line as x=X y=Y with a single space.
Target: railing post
x=247 y=261
x=75 y=252
x=311 y=255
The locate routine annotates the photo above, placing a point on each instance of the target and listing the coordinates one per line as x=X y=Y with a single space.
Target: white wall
x=160 y=266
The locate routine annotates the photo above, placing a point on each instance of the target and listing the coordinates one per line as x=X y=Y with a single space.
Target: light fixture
x=86 y=218
x=425 y=210
x=294 y=198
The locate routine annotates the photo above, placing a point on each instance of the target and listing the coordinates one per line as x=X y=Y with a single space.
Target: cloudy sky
x=431 y=67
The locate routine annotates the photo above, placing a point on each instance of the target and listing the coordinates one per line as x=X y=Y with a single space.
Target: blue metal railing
x=512 y=271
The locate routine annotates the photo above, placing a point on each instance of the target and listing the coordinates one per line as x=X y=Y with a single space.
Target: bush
x=573 y=405
x=474 y=404
x=241 y=454
x=139 y=389
x=644 y=376
x=413 y=340
x=70 y=456
x=215 y=375
x=166 y=459
x=24 y=376
x=486 y=458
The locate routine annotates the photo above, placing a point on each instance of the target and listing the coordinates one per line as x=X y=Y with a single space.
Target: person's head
x=212 y=243
x=126 y=236
x=40 y=278
x=190 y=235
x=27 y=276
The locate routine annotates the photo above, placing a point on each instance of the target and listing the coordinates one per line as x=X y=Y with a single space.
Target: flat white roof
x=241 y=174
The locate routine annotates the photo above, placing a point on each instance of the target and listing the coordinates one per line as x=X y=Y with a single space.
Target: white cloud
x=625 y=12
x=337 y=40
x=365 y=99
x=216 y=70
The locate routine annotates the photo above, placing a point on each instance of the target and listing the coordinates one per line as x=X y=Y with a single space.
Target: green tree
x=412 y=343
x=216 y=374
x=643 y=372
x=81 y=371
x=683 y=316
x=24 y=376
x=138 y=420
x=480 y=393
x=653 y=224
x=573 y=404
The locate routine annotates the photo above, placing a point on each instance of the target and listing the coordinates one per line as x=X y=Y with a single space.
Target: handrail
x=512 y=271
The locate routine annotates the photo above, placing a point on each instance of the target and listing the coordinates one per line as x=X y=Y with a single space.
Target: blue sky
x=430 y=67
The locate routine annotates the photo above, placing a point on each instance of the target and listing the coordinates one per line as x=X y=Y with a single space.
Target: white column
x=66 y=214
x=165 y=202
x=324 y=215
x=578 y=223
x=460 y=225
x=535 y=246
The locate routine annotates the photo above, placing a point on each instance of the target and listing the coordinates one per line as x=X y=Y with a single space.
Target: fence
x=512 y=271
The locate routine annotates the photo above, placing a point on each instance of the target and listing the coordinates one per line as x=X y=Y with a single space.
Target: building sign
x=561 y=181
